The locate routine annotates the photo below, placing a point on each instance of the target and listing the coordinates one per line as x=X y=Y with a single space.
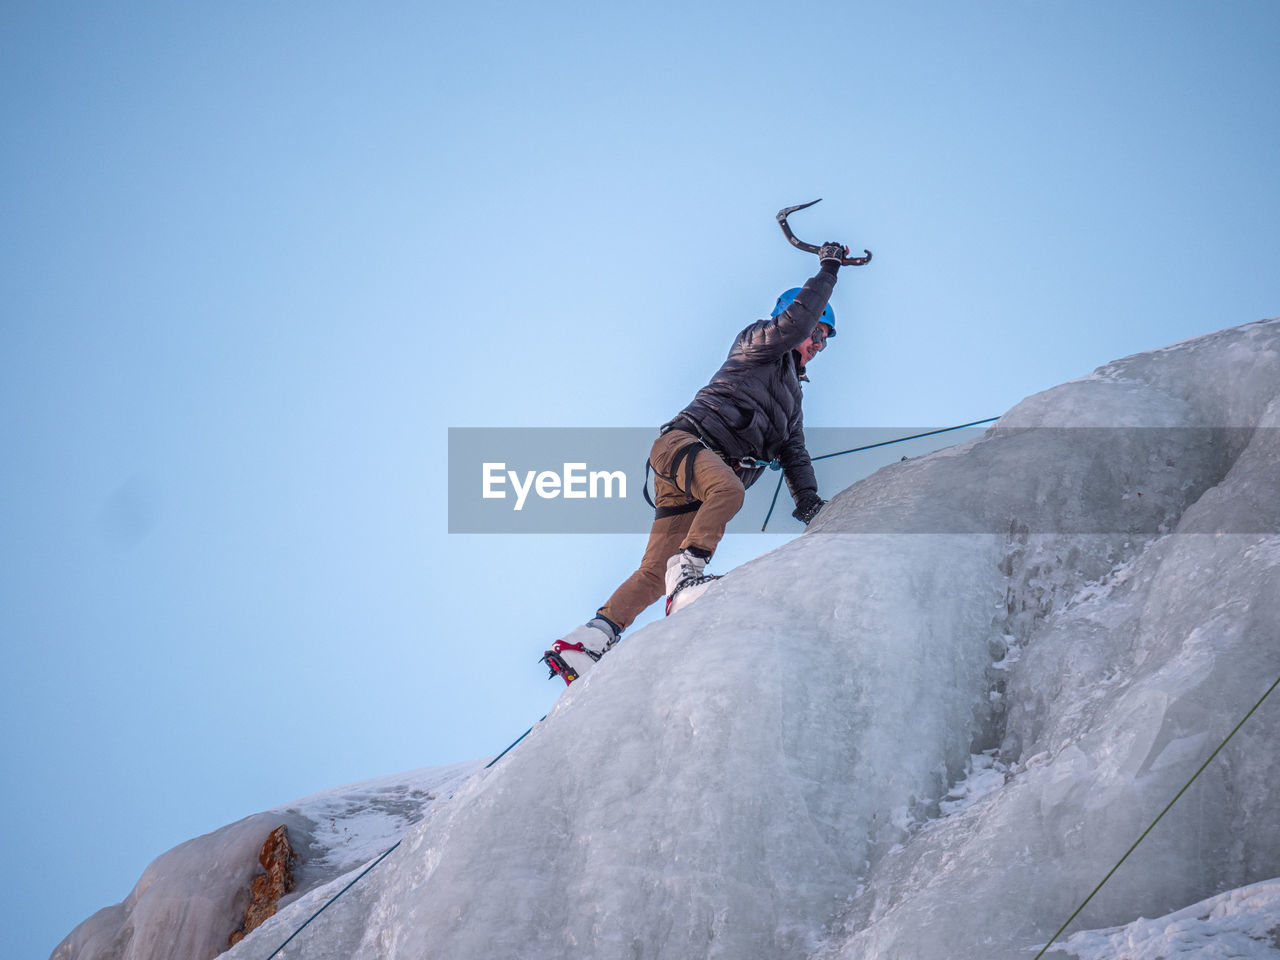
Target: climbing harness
x=774 y=465
x=684 y=456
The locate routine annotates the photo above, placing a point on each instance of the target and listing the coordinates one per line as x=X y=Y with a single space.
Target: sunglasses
x=819 y=335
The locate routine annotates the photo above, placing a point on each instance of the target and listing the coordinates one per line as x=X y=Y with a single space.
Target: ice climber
x=705 y=458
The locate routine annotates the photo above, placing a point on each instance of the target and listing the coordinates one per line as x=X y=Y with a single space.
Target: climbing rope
x=333 y=898
x=386 y=853
x=1086 y=900
x=870 y=446
x=513 y=745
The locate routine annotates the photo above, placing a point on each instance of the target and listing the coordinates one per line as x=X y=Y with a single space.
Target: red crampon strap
x=561 y=646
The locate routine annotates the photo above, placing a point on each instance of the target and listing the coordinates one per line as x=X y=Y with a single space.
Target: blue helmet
x=828 y=315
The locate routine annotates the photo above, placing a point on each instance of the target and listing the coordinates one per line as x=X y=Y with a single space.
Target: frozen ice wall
x=1132 y=654
x=925 y=729
x=724 y=804
x=1088 y=593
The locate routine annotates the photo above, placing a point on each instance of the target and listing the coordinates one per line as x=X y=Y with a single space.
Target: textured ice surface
x=1131 y=654
x=925 y=729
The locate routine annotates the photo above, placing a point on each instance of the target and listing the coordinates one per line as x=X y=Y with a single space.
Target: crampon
x=560 y=667
x=687 y=591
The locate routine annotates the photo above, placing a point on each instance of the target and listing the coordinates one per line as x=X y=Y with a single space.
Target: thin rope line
x=914 y=436
x=772 y=503
x=510 y=748
x=870 y=446
x=381 y=858
x=1156 y=820
x=334 y=897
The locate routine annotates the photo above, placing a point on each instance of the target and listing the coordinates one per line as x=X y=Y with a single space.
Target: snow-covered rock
x=1240 y=923
x=927 y=728
x=189 y=900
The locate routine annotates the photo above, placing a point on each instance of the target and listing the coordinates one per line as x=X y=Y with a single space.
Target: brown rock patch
x=277 y=859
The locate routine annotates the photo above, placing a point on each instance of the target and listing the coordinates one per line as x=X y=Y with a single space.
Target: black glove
x=807 y=507
x=831 y=255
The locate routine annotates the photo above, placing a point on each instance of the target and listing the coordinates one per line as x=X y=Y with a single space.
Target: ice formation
x=925 y=729
x=1239 y=923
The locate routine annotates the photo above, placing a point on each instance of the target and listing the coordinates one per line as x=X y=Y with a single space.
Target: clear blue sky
x=258 y=258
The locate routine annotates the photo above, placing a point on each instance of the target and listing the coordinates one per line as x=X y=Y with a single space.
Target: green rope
x=869 y=446
x=1157 y=820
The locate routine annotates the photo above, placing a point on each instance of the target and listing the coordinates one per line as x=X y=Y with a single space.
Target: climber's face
x=814 y=345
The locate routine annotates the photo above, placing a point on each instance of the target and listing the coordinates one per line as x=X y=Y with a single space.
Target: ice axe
x=813 y=247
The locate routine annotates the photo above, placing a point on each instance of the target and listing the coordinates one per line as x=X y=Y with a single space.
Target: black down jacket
x=751 y=407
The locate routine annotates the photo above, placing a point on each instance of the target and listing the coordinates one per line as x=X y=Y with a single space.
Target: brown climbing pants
x=721 y=492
